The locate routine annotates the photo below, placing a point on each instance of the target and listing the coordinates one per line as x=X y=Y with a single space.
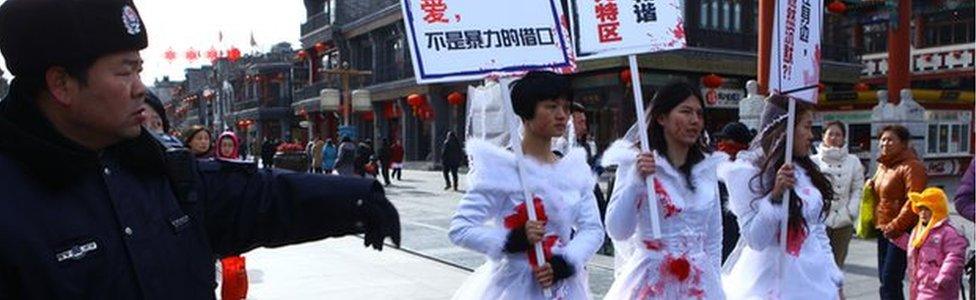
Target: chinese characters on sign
x=478 y=39
x=498 y=37
x=795 y=59
x=645 y=11
x=434 y=11
x=610 y=28
x=607 y=13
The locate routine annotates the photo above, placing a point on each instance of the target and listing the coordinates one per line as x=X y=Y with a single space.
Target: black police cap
x=38 y=34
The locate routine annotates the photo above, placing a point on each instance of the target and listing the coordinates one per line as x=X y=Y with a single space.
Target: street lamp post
x=344 y=73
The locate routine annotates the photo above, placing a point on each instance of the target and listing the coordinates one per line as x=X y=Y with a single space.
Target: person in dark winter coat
x=346 y=162
x=451 y=156
x=383 y=155
x=364 y=154
x=268 y=149
x=97 y=207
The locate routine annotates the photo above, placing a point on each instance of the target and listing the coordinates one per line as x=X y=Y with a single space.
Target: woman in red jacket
x=396 y=159
x=233 y=271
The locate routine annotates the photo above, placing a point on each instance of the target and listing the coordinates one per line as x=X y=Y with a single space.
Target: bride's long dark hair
x=772 y=141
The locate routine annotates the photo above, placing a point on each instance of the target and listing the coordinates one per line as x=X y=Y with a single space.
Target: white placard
x=458 y=40
x=795 y=54
x=624 y=27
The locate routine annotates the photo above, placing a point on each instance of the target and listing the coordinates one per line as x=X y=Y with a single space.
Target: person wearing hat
x=96 y=207
x=936 y=249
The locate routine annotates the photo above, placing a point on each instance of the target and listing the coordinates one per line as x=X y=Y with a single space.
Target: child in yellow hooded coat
x=936 y=250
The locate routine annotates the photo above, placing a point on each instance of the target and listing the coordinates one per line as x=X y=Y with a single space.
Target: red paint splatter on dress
x=670 y=209
x=654 y=245
x=795 y=236
x=518 y=219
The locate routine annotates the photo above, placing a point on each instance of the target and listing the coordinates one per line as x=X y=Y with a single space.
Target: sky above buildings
x=198 y=24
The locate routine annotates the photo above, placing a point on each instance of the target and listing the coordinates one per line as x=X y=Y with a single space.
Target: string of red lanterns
x=625 y=77
x=837 y=7
x=455 y=98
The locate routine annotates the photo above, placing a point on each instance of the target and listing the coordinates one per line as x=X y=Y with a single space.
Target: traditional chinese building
x=258 y=94
x=941 y=65
x=369 y=36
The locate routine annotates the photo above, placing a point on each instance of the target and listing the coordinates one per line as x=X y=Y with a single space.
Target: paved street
x=429 y=266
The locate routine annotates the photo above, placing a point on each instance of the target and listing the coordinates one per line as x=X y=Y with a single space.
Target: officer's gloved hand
x=381 y=220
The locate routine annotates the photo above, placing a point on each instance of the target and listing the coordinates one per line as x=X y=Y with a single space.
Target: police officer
x=93 y=206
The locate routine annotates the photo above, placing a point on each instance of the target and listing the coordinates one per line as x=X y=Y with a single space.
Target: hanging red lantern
x=415 y=100
x=837 y=7
x=212 y=54
x=192 y=55
x=390 y=110
x=301 y=54
x=625 y=77
x=455 y=98
x=233 y=54
x=861 y=87
x=368 y=116
x=821 y=87
x=320 y=47
x=712 y=81
x=169 y=55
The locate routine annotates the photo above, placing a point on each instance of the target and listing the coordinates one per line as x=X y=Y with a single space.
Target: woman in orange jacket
x=899 y=172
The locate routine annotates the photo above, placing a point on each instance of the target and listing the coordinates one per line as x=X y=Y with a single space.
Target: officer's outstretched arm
x=245 y=208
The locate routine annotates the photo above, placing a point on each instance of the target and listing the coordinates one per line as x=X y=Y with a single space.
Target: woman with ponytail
x=757 y=181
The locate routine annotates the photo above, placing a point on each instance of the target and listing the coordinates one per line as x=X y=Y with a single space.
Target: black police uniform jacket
x=84 y=225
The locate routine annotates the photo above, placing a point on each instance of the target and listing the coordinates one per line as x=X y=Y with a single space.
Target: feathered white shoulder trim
x=493 y=168
x=621 y=152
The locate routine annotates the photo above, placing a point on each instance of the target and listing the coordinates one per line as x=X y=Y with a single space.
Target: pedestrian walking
x=685 y=185
x=96 y=207
x=232 y=267
x=384 y=156
x=198 y=140
x=346 y=160
x=329 y=154
x=492 y=216
x=846 y=176
x=757 y=181
x=364 y=155
x=899 y=173
x=732 y=139
x=451 y=156
x=936 y=249
x=156 y=121
x=317 y=155
x=268 y=149
x=227 y=146
x=396 y=159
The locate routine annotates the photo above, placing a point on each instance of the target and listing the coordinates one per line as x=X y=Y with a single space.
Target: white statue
x=751 y=107
x=908 y=109
x=884 y=111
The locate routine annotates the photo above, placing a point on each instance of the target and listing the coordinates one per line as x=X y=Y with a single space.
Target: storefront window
x=949 y=139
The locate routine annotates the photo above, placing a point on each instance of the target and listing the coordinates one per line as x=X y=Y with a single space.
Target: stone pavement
x=343 y=269
x=430 y=267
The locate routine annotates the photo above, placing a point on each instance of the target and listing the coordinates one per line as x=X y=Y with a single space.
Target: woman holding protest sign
x=757 y=182
x=492 y=216
x=685 y=262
